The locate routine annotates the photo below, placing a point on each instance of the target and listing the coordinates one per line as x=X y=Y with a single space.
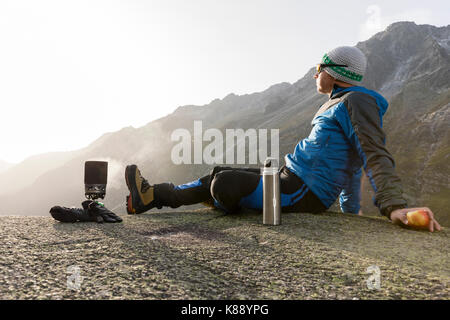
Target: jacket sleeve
x=350 y=197
x=361 y=120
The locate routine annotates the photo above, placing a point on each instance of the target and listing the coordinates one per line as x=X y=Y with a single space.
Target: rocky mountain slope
x=407 y=63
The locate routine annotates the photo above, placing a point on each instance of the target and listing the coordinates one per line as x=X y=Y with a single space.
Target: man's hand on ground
x=399 y=217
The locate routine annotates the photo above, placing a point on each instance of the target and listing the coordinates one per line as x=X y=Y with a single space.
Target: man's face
x=324 y=82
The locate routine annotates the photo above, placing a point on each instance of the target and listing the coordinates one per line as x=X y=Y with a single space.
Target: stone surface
x=204 y=254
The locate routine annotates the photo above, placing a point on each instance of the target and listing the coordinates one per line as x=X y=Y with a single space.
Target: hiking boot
x=141 y=194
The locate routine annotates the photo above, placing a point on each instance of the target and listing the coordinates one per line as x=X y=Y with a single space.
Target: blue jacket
x=347 y=135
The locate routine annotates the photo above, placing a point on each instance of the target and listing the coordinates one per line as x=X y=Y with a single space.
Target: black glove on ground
x=100 y=212
x=92 y=211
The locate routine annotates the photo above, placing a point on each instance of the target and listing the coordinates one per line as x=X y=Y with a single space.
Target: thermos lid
x=270 y=167
x=271 y=163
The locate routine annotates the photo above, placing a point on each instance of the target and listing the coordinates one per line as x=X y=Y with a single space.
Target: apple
x=418 y=218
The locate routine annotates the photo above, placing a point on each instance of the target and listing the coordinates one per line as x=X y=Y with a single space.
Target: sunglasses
x=321 y=66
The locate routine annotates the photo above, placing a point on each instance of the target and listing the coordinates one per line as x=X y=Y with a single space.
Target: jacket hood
x=381 y=101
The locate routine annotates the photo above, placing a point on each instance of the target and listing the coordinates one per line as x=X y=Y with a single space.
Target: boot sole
x=131 y=184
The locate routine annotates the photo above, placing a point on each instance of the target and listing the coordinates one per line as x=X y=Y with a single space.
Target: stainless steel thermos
x=271 y=192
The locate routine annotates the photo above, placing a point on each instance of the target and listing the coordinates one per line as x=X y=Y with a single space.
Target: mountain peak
x=409 y=28
x=401 y=24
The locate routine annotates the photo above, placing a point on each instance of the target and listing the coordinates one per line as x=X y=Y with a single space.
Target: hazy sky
x=73 y=70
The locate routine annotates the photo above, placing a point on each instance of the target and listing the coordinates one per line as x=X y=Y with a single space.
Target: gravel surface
x=205 y=254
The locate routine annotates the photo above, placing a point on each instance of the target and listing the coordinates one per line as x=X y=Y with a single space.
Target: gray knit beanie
x=350 y=56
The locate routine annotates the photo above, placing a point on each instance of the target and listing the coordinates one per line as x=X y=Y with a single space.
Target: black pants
x=232 y=188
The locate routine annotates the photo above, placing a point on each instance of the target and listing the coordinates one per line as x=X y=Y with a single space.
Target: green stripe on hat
x=341 y=70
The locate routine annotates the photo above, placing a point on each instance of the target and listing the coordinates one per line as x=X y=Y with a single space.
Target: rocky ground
x=205 y=254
